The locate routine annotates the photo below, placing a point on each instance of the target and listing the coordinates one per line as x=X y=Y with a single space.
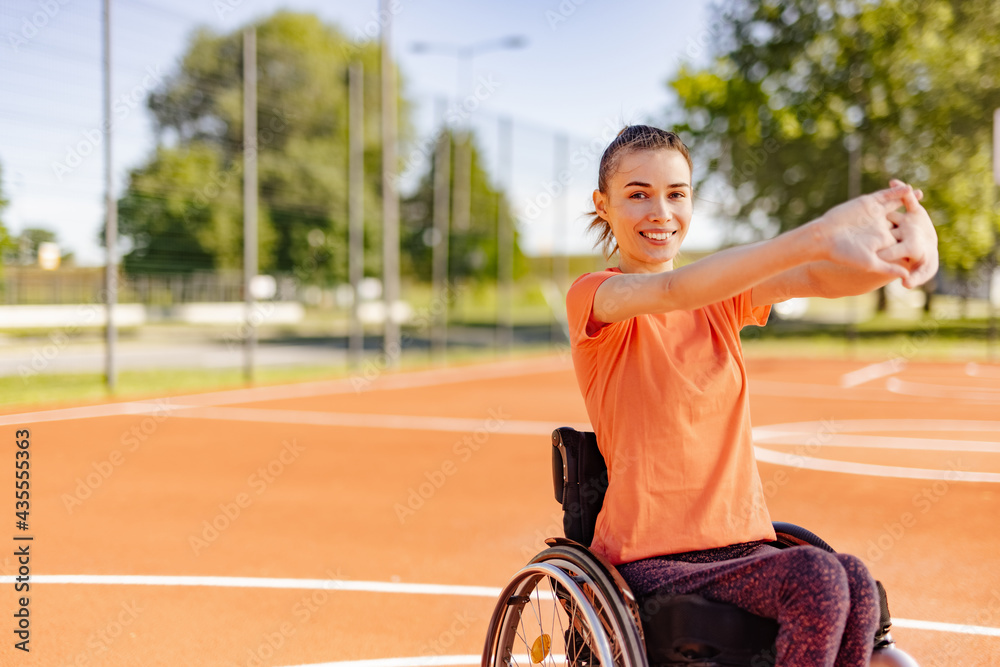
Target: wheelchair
x=569 y=606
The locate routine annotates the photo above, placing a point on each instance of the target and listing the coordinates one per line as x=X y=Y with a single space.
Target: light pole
x=465 y=81
x=461 y=197
x=466 y=52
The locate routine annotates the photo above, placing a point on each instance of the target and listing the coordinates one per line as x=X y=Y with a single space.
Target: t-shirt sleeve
x=580 y=306
x=747 y=314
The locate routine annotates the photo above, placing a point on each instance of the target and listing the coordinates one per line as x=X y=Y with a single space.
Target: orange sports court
x=370 y=521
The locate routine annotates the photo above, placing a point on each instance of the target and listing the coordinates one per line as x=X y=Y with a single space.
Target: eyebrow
x=647 y=185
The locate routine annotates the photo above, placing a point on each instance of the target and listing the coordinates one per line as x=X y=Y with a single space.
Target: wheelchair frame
x=604 y=622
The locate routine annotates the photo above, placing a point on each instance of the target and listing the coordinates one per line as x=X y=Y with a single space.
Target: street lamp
x=466 y=52
x=462 y=194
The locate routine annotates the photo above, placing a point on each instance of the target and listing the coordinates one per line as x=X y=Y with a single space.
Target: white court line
x=823 y=391
x=302 y=390
x=494 y=423
x=792 y=460
x=946 y=627
x=384 y=380
x=779 y=434
x=885 y=442
x=923 y=390
x=872 y=372
x=972 y=369
x=157 y=407
x=854 y=425
x=421 y=661
x=367 y=586
x=259 y=582
x=834 y=433
x=837 y=433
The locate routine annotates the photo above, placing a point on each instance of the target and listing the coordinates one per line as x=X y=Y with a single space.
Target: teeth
x=657 y=236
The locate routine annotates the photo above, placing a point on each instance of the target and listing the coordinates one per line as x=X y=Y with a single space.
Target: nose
x=660 y=210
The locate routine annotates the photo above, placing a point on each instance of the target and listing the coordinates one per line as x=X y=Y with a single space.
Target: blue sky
x=588 y=66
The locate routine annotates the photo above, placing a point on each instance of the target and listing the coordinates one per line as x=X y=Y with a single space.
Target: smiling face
x=648 y=205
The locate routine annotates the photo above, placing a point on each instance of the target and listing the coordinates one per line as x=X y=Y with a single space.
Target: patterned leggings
x=826 y=604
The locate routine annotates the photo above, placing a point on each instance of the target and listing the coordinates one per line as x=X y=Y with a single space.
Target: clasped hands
x=870 y=233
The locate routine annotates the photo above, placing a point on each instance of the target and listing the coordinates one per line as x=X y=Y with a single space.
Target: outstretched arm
x=849 y=235
x=915 y=249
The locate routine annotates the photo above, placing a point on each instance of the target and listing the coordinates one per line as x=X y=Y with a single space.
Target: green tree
x=183 y=212
x=183 y=209
x=7 y=244
x=794 y=83
x=472 y=253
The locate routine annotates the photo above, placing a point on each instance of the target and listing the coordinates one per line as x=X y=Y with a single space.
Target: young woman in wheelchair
x=658 y=359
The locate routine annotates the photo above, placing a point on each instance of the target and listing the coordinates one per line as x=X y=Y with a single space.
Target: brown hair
x=630 y=139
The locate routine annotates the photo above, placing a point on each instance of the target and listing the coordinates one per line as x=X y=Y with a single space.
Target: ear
x=600 y=204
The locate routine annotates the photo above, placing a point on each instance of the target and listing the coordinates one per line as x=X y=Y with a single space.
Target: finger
x=896 y=218
x=890 y=269
x=919 y=277
x=911 y=202
x=895 y=253
x=918 y=193
x=891 y=197
x=925 y=271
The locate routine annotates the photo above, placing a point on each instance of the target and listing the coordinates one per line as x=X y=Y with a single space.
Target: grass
x=53 y=390
x=877 y=338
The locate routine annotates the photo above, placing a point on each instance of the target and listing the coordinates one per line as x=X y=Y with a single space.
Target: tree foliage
x=793 y=83
x=183 y=208
x=7 y=244
x=471 y=252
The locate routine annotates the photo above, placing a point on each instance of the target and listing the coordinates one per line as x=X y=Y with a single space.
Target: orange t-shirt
x=667 y=397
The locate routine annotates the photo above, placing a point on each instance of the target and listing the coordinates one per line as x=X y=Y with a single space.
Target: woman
x=658 y=358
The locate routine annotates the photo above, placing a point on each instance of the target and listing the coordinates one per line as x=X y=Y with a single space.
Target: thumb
x=890 y=269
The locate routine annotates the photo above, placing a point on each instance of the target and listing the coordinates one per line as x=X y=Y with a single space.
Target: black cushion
x=580 y=480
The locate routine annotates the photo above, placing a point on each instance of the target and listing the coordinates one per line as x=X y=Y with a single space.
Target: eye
x=637 y=195
x=677 y=195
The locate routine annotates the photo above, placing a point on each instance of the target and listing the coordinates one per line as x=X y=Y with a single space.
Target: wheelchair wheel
x=562 y=611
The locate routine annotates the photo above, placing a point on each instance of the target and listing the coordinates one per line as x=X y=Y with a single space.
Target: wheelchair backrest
x=580 y=479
